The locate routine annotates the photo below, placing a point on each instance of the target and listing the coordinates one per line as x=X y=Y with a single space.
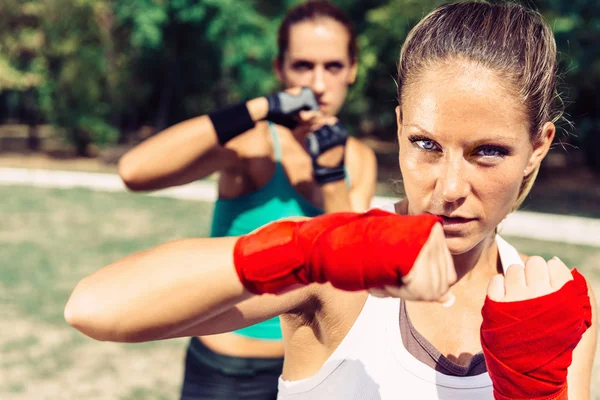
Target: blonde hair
x=510 y=39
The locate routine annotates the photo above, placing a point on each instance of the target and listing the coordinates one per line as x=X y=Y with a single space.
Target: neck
x=481 y=262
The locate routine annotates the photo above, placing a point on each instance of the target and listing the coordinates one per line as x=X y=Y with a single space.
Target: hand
x=533 y=318
x=284 y=107
x=326 y=146
x=431 y=276
x=536 y=279
x=352 y=251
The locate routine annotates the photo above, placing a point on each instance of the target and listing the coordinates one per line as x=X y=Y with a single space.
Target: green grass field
x=51 y=238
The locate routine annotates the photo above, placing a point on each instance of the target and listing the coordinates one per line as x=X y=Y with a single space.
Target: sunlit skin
x=464 y=151
x=317 y=57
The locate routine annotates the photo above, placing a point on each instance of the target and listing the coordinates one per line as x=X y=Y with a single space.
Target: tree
x=21 y=65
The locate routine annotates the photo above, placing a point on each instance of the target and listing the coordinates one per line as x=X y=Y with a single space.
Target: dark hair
x=312 y=10
x=510 y=39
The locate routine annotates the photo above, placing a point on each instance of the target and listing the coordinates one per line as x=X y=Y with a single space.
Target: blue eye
x=426 y=144
x=423 y=143
x=491 y=151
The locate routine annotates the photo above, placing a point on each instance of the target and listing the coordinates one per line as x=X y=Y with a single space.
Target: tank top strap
x=276 y=146
x=508 y=254
x=347 y=178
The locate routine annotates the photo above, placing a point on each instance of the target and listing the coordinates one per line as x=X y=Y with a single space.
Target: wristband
x=231 y=121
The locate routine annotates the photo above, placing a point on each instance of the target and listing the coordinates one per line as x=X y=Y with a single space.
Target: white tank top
x=371 y=362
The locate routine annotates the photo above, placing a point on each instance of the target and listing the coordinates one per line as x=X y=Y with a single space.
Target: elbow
x=89 y=317
x=131 y=175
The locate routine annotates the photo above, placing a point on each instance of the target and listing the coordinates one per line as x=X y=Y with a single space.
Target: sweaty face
x=317 y=57
x=464 y=144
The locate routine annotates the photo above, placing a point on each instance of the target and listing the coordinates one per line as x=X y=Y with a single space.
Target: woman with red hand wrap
x=392 y=304
x=276 y=156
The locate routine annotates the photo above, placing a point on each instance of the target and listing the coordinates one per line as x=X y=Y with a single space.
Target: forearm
x=149 y=295
x=159 y=161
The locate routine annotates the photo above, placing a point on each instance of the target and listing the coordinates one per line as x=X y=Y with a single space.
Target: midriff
x=234 y=345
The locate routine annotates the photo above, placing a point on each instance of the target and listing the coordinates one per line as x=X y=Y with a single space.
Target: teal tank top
x=241 y=215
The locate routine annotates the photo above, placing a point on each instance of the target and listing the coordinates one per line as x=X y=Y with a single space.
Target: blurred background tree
x=99 y=70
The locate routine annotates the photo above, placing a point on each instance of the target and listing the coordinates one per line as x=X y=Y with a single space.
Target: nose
x=454 y=180
x=318 y=84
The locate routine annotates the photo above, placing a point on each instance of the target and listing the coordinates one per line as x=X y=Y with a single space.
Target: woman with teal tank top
x=241 y=215
x=281 y=155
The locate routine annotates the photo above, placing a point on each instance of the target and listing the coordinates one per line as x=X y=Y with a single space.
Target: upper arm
x=216 y=159
x=252 y=311
x=362 y=166
x=580 y=372
x=179 y=155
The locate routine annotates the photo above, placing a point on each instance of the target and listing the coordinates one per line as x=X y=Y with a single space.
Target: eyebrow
x=328 y=62
x=477 y=141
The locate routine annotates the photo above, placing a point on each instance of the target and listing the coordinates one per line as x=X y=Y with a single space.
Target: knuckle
x=535 y=261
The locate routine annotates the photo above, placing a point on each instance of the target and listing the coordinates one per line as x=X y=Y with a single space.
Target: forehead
x=320 y=39
x=464 y=99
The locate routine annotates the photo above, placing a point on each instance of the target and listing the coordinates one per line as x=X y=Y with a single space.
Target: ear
x=352 y=73
x=277 y=67
x=542 y=147
x=399 y=120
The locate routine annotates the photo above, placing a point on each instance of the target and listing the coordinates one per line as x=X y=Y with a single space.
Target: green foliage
x=20 y=41
x=145 y=18
x=102 y=68
x=576 y=26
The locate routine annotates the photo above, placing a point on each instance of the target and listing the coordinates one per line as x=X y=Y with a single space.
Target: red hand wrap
x=528 y=344
x=351 y=251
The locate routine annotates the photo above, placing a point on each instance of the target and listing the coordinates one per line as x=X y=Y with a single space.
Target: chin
x=330 y=110
x=460 y=244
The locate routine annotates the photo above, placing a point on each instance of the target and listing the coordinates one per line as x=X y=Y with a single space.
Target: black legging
x=209 y=375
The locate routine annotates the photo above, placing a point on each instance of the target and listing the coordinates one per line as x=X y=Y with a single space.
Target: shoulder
x=356 y=148
x=252 y=143
x=361 y=161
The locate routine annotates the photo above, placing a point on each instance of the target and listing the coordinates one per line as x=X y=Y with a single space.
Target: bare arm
x=362 y=165
x=362 y=168
x=251 y=311
x=182 y=288
x=336 y=197
x=580 y=372
x=181 y=154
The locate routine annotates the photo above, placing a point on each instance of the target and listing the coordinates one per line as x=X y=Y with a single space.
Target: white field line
x=533 y=225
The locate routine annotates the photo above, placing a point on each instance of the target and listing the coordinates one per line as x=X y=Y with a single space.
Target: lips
x=450 y=221
x=455 y=223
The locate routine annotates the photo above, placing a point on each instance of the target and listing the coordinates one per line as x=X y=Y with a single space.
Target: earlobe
x=542 y=148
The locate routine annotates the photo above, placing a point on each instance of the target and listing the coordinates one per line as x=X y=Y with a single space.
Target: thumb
x=447 y=300
x=307 y=116
x=495 y=290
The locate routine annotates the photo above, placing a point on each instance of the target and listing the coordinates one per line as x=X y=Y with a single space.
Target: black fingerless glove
x=283 y=106
x=321 y=140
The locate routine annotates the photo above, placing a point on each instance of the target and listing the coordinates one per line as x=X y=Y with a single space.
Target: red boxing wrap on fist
x=528 y=344
x=352 y=251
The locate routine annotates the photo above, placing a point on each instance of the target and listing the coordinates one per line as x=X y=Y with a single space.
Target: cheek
x=338 y=88
x=339 y=80
x=294 y=79
x=418 y=181
x=497 y=191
